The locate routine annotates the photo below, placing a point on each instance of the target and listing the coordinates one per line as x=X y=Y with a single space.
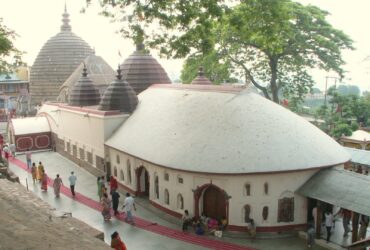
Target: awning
x=359 y=156
x=340 y=187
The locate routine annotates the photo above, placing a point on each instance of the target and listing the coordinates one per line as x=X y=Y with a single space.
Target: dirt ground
x=27 y=222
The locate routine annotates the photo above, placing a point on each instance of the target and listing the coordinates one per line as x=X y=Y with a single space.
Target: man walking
x=72 y=183
x=28 y=157
x=128 y=205
x=115 y=201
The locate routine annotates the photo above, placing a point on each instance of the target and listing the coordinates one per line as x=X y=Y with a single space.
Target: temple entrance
x=214 y=202
x=142 y=180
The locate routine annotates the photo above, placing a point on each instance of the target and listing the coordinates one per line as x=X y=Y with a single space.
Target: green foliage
x=349 y=90
x=271 y=43
x=10 y=57
x=215 y=69
x=275 y=43
x=344 y=113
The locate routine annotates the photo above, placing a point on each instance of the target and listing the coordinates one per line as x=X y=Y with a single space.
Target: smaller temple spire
x=140 y=46
x=201 y=79
x=65 y=26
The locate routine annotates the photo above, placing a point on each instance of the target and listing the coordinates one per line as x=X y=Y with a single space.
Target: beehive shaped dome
x=119 y=96
x=201 y=79
x=99 y=72
x=56 y=61
x=141 y=70
x=84 y=92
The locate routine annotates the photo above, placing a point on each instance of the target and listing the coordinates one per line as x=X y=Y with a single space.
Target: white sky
x=35 y=21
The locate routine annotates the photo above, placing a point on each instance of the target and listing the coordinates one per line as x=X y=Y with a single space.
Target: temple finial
x=65 y=26
x=84 y=73
x=119 y=75
x=201 y=71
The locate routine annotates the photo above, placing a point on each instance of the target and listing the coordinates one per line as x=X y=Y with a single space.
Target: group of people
x=204 y=224
x=128 y=206
x=329 y=222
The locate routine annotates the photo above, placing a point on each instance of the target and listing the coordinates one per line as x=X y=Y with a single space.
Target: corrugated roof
x=30 y=125
x=214 y=129
x=340 y=187
x=359 y=156
x=358 y=135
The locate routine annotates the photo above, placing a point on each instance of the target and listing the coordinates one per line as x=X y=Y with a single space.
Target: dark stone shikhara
x=84 y=92
x=119 y=96
x=141 y=70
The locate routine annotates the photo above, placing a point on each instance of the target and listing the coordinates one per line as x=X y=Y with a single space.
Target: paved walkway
x=149 y=233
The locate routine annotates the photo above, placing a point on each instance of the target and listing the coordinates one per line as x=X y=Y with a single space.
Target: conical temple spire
x=65 y=26
x=201 y=79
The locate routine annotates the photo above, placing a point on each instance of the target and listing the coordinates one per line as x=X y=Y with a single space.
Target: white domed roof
x=218 y=129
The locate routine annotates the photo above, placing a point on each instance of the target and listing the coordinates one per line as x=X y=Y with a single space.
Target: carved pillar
x=355 y=219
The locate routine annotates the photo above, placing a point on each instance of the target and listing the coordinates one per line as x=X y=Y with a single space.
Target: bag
x=218 y=233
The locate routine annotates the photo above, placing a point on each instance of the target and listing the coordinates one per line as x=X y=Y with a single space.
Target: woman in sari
x=34 y=172
x=44 y=182
x=56 y=185
x=40 y=171
x=106 y=207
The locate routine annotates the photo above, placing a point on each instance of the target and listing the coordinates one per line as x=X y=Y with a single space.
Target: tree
x=176 y=28
x=272 y=43
x=10 y=57
x=275 y=43
x=217 y=70
x=344 y=114
x=349 y=90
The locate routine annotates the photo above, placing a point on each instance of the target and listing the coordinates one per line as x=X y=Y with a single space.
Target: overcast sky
x=35 y=21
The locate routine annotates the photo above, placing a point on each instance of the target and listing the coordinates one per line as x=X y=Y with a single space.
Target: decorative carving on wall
x=286 y=209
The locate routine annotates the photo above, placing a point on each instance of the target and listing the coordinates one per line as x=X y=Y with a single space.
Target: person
x=113 y=184
x=212 y=224
x=346 y=218
x=329 y=221
x=12 y=150
x=311 y=236
x=364 y=223
x=28 y=158
x=34 y=172
x=99 y=183
x=6 y=151
x=223 y=223
x=44 y=182
x=115 y=202
x=72 y=182
x=204 y=220
x=128 y=205
x=116 y=242
x=199 y=229
x=40 y=171
x=186 y=219
x=56 y=185
x=106 y=207
x=251 y=227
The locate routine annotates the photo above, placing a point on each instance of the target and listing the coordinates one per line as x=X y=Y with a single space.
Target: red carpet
x=147 y=225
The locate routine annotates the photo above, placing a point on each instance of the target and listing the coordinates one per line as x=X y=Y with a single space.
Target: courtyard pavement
x=134 y=236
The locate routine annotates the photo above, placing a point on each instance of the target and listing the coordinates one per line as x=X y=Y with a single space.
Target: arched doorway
x=214 y=202
x=142 y=180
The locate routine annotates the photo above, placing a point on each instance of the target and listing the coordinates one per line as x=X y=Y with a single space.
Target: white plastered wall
x=278 y=183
